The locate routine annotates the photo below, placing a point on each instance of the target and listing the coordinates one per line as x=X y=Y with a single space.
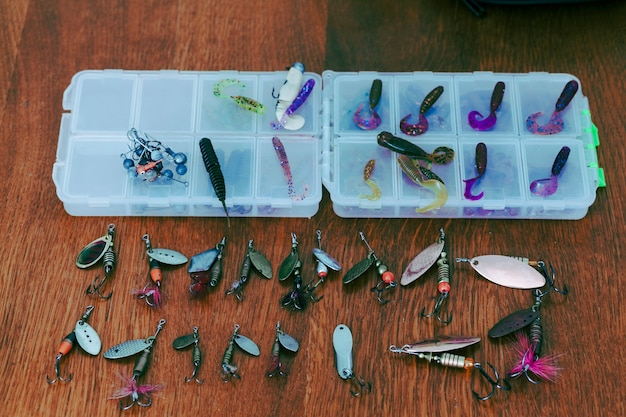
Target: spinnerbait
x=289 y=120
x=481 y=167
x=441 y=155
x=430 y=349
x=422 y=125
x=134 y=393
x=507 y=271
x=443 y=287
x=555 y=124
x=477 y=121
x=205 y=268
x=324 y=262
x=151 y=292
x=387 y=278
x=299 y=295
x=427 y=179
x=342 y=344
x=254 y=259
x=87 y=339
x=101 y=248
x=284 y=164
x=185 y=341
x=288 y=343
x=229 y=370
x=372 y=119
x=367 y=175
x=212 y=166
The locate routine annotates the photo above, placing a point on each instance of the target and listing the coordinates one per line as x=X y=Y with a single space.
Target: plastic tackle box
x=178 y=108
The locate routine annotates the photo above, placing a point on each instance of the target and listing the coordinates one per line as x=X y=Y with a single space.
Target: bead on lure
x=229 y=370
x=427 y=179
x=134 y=394
x=476 y=119
x=369 y=119
x=480 y=163
x=507 y=271
x=212 y=166
x=285 y=341
x=205 y=268
x=100 y=249
x=422 y=125
x=342 y=345
x=183 y=342
x=86 y=337
x=255 y=259
x=555 y=124
x=387 y=281
x=443 y=288
x=324 y=262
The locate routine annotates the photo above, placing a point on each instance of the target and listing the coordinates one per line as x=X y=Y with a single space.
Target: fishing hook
x=495 y=383
x=359 y=382
x=436 y=311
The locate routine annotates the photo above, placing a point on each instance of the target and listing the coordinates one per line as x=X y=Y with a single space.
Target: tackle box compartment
x=178 y=108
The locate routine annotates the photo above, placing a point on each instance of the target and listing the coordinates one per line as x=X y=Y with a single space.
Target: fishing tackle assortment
x=481 y=168
x=212 y=166
x=86 y=337
x=555 y=124
x=324 y=262
x=284 y=341
x=369 y=120
x=342 y=344
x=477 y=121
x=146 y=159
x=205 y=268
x=422 y=125
x=185 y=341
x=438 y=351
x=134 y=394
x=299 y=295
x=387 y=281
x=151 y=292
x=254 y=259
x=100 y=249
x=545 y=187
x=229 y=370
x=367 y=177
x=284 y=164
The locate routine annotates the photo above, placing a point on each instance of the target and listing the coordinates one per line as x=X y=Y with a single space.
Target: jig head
x=342 y=344
x=101 y=248
x=86 y=337
x=387 y=281
x=371 y=120
x=254 y=259
x=422 y=125
x=205 y=268
x=481 y=167
x=324 y=262
x=288 y=343
x=185 y=341
x=507 y=271
x=229 y=370
x=555 y=124
x=487 y=123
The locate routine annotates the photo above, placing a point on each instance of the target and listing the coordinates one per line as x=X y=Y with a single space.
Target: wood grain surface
x=42 y=293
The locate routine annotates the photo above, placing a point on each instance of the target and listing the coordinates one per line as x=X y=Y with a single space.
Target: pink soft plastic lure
x=368 y=119
x=284 y=163
x=545 y=187
x=422 y=125
x=555 y=124
x=481 y=168
x=477 y=121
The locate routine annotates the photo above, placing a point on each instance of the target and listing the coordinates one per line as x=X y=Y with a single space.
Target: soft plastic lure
x=555 y=124
x=427 y=179
x=545 y=187
x=369 y=119
x=342 y=344
x=185 y=341
x=220 y=86
x=481 y=167
x=289 y=120
x=254 y=259
x=101 y=248
x=367 y=177
x=229 y=370
x=212 y=166
x=422 y=125
x=205 y=268
x=477 y=121
x=249 y=104
x=284 y=164
x=289 y=90
x=284 y=341
x=86 y=337
x=441 y=155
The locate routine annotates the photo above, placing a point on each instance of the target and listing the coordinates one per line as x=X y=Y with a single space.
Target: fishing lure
x=481 y=167
x=443 y=288
x=212 y=165
x=86 y=337
x=229 y=370
x=218 y=88
x=205 y=268
x=371 y=120
x=290 y=121
x=342 y=344
x=555 y=124
x=249 y=104
x=440 y=155
x=185 y=341
x=427 y=179
x=284 y=164
x=151 y=292
x=297 y=298
x=254 y=259
x=387 y=281
x=289 y=90
x=367 y=175
x=477 y=121
x=424 y=260
x=507 y=271
x=422 y=125
x=324 y=262
x=135 y=394
x=429 y=350
x=101 y=248
x=545 y=187
x=288 y=343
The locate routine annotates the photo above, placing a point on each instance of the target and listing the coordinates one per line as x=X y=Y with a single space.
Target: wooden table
x=42 y=293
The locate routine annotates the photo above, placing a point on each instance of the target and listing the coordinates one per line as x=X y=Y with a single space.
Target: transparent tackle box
x=179 y=108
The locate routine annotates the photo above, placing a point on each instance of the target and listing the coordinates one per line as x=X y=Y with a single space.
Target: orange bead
x=322 y=274
x=67 y=344
x=156 y=275
x=388 y=277
x=443 y=287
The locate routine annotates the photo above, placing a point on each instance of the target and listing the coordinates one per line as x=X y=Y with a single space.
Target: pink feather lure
x=544 y=367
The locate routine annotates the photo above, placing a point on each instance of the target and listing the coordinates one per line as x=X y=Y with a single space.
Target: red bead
x=443 y=287
x=388 y=277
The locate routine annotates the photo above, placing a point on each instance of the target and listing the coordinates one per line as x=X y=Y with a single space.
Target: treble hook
x=495 y=383
x=443 y=287
x=359 y=382
x=66 y=346
x=108 y=262
x=436 y=311
x=383 y=286
x=196 y=358
x=550 y=278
